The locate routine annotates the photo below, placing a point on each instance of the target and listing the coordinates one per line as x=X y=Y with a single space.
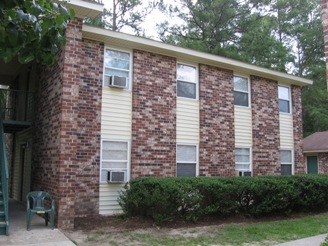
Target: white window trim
x=249 y=89
x=129 y=88
x=186 y=162
x=250 y=159
x=196 y=79
x=292 y=153
x=290 y=99
x=128 y=168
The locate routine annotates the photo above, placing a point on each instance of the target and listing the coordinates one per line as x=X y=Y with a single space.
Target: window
x=187 y=81
x=117 y=63
x=241 y=91
x=186 y=160
x=284 y=99
x=243 y=159
x=114 y=157
x=286 y=161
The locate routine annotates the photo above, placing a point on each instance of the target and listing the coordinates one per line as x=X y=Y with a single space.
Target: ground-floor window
x=286 y=161
x=115 y=156
x=243 y=161
x=187 y=160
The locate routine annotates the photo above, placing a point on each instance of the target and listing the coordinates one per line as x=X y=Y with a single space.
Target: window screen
x=115 y=157
x=186 y=81
x=187 y=90
x=116 y=63
x=241 y=91
x=186 y=160
x=186 y=170
x=242 y=159
x=286 y=161
x=286 y=169
x=284 y=99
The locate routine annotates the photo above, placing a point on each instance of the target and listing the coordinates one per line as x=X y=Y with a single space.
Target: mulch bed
x=122 y=223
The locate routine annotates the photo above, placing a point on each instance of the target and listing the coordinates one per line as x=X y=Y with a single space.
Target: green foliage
x=32 y=30
x=315 y=101
x=325 y=243
x=169 y=199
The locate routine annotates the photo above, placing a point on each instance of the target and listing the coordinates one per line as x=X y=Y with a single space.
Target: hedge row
x=169 y=199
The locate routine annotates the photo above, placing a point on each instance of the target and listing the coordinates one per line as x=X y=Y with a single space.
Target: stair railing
x=4 y=174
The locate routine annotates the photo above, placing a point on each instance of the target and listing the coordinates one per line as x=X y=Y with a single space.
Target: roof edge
x=314 y=151
x=134 y=42
x=84 y=8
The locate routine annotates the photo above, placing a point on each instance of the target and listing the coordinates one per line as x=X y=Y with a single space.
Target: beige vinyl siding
x=116 y=124
x=243 y=126
x=286 y=131
x=187 y=121
x=108 y=195
x=116 y=114
x=24 y=137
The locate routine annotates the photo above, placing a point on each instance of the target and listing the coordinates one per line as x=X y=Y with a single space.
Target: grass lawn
x=253 y=233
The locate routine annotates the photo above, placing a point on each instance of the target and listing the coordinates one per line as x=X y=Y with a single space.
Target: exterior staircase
x=4 y=224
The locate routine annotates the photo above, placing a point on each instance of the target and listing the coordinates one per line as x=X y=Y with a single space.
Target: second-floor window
x=284 y=99
x=241 y=91
x=117 y=63
x=187 y=81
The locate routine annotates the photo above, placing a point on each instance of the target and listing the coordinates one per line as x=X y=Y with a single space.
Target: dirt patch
x=122 y=223
x=118 y=230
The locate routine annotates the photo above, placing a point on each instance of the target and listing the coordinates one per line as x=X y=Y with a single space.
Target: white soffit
x=84 y=8
x=128 y=41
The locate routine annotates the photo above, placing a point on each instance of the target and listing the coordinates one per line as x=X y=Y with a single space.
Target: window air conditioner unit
x=116 y=177
x=117 y=81
x=245 y=173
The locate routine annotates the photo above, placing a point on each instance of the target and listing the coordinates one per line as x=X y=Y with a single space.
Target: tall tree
x=125 y=14
x=213 y=26
x=261 y=47
x=32 y=30
x=315 y=102
x=300 y=29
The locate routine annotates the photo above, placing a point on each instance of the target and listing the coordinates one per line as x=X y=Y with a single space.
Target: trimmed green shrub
x=169 y=199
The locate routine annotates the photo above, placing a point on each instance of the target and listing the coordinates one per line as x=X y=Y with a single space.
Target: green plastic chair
x=36 y=204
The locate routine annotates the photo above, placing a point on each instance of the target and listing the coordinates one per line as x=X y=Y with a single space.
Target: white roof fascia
x=83 y=8
x=314 y=151
x=133 y=42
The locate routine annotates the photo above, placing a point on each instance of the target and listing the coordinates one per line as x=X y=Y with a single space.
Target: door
x=312 y=164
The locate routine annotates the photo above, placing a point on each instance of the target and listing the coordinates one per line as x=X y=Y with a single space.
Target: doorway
x=312 y=165
x=22 y=170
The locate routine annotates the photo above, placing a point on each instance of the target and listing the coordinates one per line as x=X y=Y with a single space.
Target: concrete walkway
x=309 y=241
x=39 y=235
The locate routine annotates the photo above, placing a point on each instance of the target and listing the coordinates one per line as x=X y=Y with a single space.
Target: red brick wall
x=88 y=131
x=265 y=120
x=323 y=163
x=298 y=129
x=217 y=143
x=46 y=141
x=69 y=126
x=153 y=150
x=67 y=144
